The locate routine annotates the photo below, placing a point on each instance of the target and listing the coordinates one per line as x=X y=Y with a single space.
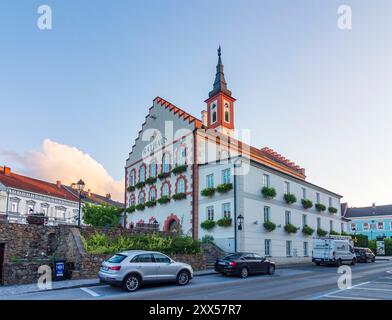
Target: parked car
x=365 y=255
x=244 y=264
x=131 y=269
x=336 y=250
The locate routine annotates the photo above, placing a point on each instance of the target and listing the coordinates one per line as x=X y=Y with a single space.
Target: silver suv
x=131 y=269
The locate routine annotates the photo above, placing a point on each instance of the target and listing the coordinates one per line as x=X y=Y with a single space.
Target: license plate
x=104 y=268
x=222 y=263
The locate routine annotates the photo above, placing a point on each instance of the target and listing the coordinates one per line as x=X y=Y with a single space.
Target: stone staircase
x=212 y=252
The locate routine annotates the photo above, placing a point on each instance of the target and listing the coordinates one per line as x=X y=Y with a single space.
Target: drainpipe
x=235 y=207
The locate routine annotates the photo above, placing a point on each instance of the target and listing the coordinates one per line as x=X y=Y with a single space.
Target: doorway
x=2 y=248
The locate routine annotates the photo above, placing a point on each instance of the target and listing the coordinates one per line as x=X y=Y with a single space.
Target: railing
x=16 y=217
x=147 y=226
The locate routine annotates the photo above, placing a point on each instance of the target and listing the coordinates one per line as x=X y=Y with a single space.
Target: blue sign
x=60 y=268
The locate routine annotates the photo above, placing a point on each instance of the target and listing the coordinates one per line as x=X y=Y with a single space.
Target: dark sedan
x=364 y=255
x=244 y=264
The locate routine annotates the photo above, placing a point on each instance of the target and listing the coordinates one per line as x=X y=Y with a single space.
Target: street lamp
x=80 y=186
x=240 y=220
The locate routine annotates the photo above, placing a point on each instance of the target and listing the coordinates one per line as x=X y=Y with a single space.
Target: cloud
x=68 y=164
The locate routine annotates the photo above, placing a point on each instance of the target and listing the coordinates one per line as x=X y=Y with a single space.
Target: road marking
x=350 y=298
x=383 y=282
x=91 y=292
x=374 y=289
x=340 y=290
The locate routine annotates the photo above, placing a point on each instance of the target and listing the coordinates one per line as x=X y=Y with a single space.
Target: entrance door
x=2 y=246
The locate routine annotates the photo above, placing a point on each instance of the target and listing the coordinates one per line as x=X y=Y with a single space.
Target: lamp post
x=240 y=220
x=80 y=185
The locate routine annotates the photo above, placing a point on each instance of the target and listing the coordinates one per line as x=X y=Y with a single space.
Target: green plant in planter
x=140 y=185
x=164 y=199
x=321 y=232
x=131 y=189
x=208 y=192
x=345 y=234
x=140 y=207
x=164 y=175
x=179 y=169
x=130 y=209
x=224 y=222
x=151 y=180
x=179 y=196
x=306 y=203
x=207 y=239
x=334 y=233
x=208 y=225
x=290 y=228
x=332 y=210
x=269 y=193
x=151 y=203
x=224 y=187
x=290 y=198
x=307 y=230
x=320 y=207
x=269 y=226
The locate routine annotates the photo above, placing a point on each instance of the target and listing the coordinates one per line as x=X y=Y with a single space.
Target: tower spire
x=220 y=84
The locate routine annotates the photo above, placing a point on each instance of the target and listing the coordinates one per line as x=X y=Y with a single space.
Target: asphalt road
x=369 y=281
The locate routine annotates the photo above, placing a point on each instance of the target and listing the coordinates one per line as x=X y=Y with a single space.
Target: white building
x=223 y=177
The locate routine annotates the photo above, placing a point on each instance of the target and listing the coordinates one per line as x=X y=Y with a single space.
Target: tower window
x=227 y=112
x=213 y=113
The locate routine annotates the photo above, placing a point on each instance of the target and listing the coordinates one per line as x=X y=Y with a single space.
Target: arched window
x=213 y=113
x=180 y=185
x=153 y=194
x=142 y=173
x=165 y=190
x=142 y=198
x=227 y=112
x=132 y=180
x=132 y=200
x=166 y=163
x=153 y=169
x=181 y=156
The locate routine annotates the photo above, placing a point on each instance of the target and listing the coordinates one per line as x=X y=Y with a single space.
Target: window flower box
x=290 y=198
x=290 y=228
x=268 y=193
x=334 y=233
x=37 y=219
x=224 y=222
x=332 y=210
x=164 y=175
x=130 y=209
x=151 y=180
x=306 y=203
x=224 y=187
x=321 y=232
x=140 y=207
x=307 y=230
x=164 y=199
x=131 y=188
x=320 y=207
x=140 y=185
x=208 y=225
x=179 y=196
x=208 y=192
x=269 y=226
x=179 y=169
x=151 y=203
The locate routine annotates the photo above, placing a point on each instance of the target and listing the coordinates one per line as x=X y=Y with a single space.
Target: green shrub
x=269 y=193
x=208 y=192
x=345 y=234
x=151 y=203
x=179 y=169
x=224 y=187
x=99 y=243
x=179 y=196
x=224 y=222
x=207 y=239
x=140 y=207
x=320 y=207
x=360 y=240
x=151 y=180
x=307 y=230
x=290 y=228
x=131 y=189
x=334 y=233
x=290 y=198
x=164 y=199
x=306 y=203
x=208 y=225
x=321 y=232
x=164 y=175
x=130 y=209
x=102 y=215
x=372 y=246
x=269 y=226
x=332 y=210
x=140 y=185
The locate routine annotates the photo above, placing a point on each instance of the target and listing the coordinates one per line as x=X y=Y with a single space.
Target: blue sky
x=318 y=95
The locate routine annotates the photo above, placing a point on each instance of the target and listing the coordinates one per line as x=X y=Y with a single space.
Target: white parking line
x=350 y=298
x=340 y=290
x=91 y=292
x=374 y=289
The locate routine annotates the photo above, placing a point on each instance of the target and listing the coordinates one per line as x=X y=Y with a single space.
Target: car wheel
x=244 y=272
x=271 y=269
x=183 y=278
x=339 y=262
x=132 y=283
x=353 y=261
x=374 y=260
x=317 y=264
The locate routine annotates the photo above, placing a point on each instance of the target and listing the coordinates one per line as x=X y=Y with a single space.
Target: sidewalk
x=67 y=284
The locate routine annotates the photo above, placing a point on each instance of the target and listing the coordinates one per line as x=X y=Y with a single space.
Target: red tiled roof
x=13 y=180
x=180 y=113
x=279 y=158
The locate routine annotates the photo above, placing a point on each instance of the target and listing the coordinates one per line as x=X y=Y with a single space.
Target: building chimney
x=58 y=184
x=7 y=171
x=109 y=196
x=74 y=186
x=204 y=118
x=89 y=192
x=374 y=207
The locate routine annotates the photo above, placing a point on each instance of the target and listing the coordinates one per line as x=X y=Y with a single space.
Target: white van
x=335 y=250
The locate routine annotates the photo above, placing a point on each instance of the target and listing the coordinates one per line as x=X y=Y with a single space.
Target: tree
x=102 y=215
